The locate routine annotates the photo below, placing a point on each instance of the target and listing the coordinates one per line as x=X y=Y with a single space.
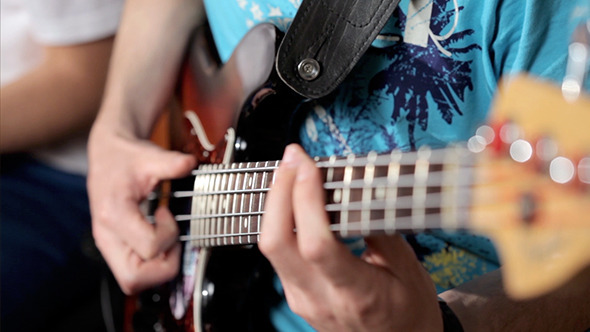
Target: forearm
x=146 y=60
x=56 y=100
x=482 y=305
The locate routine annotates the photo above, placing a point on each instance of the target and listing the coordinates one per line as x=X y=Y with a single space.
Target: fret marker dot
x=337 y=196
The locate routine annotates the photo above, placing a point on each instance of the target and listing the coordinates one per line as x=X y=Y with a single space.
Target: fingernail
x=303 y=173
x=290 y=156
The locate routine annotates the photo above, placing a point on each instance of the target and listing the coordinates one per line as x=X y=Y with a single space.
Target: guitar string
x=401 y=203
x=435 y=178
x=435 y=156
x=377 y=225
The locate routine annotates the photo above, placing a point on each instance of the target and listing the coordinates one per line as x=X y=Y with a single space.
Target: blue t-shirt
x=428 y=80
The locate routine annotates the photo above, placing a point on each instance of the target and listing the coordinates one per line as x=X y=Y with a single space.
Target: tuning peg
x=545 y=150
x=577 y=64
x=562 y=170
x=502 y=136
x=521 y=151
x=584 y=171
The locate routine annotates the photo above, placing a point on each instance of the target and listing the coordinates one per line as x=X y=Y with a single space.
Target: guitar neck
x=426 y=189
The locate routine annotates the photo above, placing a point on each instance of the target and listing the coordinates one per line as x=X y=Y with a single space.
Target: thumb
x=391 y=252
x=165 y=164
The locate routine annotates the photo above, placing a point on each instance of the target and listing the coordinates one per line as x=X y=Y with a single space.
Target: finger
x=164 y=164
x=146 y=239
x=123 y=214
x=133 y=273
x=278 y=241
x=317 y=244
x=394 y=254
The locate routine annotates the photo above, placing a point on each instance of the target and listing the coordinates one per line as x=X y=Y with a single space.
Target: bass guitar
x=523 y=180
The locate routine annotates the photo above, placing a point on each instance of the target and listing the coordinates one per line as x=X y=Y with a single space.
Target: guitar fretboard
x=426 y=189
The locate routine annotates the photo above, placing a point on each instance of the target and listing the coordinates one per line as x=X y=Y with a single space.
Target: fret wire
x=348 y=170
x=391 y=193
x=199 y=201
x=419 y=189
x=367 y=191
x=228 y=201
x=242 y=199
x=336 y=195
x=237 y=203
x=208 y=207
x=221 y=204
x=199 y=205
x=214 y=205
x=252 y=184
x=330 y=170
x=241 y=168
x=261 y=199
x=239 y=177
x=207 y=222
x=449 y=189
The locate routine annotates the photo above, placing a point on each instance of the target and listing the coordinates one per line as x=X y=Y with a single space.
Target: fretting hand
x=386 y=289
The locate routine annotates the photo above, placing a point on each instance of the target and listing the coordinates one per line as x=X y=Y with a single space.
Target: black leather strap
x=325 y=41
x=451 y=322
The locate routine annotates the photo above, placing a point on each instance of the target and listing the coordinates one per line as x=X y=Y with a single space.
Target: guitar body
x=246 y=122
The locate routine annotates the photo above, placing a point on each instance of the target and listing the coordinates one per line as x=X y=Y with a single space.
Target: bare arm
x=147 y=56
x=124 y=166
x=58 y=99
x=482 y=305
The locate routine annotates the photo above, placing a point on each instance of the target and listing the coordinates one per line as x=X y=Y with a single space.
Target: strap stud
x=308 y=69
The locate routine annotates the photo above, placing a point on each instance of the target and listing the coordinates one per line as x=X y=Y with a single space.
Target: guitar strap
x=325 y=41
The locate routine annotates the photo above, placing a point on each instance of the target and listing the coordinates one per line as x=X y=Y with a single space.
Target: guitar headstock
x=532 y=194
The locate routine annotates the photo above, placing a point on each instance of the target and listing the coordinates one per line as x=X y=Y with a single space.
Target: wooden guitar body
x=235 y=112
